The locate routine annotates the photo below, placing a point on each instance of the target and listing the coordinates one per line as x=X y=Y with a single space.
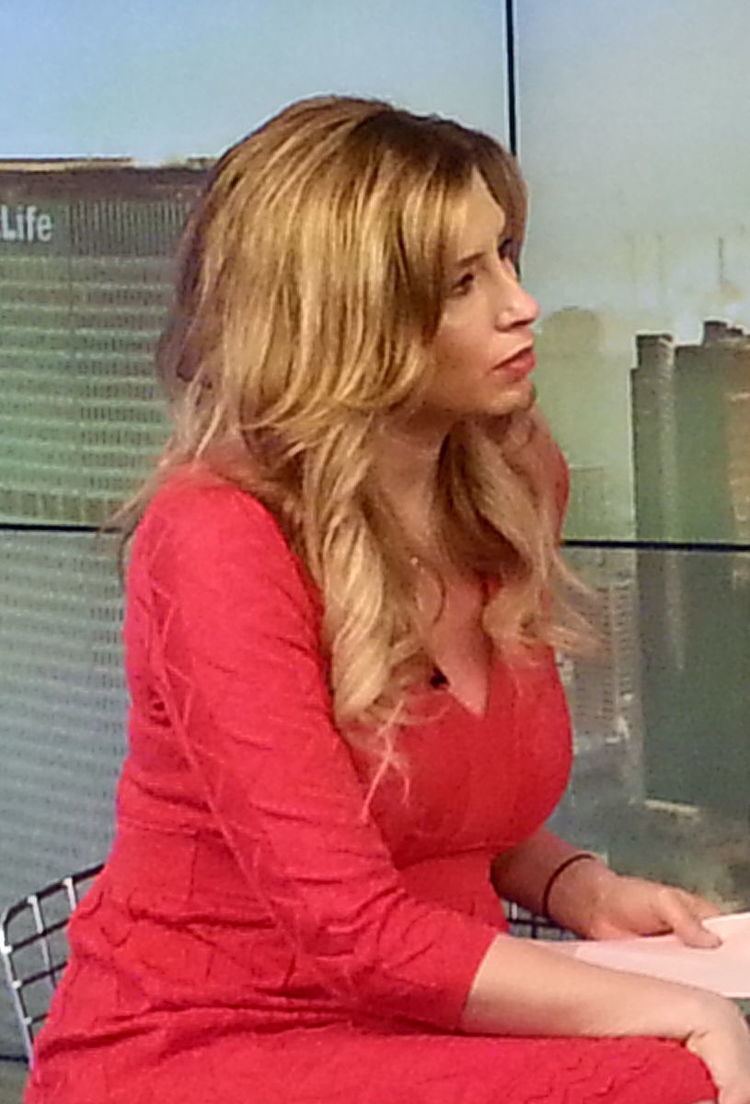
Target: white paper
x=724 y=969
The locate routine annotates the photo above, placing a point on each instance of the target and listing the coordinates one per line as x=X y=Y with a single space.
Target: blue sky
x=164 y=79
x=634 y=124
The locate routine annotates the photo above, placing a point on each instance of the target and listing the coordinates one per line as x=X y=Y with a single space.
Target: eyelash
x=504 y=249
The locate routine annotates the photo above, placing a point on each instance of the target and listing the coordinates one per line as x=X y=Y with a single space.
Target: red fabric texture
x=254 y=937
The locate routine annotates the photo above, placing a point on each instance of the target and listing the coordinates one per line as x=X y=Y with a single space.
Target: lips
x=519 y=366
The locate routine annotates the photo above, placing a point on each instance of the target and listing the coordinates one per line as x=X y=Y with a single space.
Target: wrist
x=575 y=890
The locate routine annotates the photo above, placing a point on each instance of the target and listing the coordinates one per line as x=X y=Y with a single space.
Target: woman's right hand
x=525 y=988
x=723 y=1044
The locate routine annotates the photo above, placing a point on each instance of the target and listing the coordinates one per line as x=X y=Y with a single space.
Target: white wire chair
x=34 y=948
x=530 y=925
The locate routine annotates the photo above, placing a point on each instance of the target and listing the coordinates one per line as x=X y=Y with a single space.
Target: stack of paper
x=724 y=969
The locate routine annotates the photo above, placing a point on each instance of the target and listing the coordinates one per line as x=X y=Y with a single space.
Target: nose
x=514 y=306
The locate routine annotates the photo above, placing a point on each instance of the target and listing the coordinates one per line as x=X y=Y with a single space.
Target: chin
x=521 y=397
x=530 y=399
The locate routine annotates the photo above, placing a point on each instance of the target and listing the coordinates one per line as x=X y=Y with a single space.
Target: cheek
x=458 y=347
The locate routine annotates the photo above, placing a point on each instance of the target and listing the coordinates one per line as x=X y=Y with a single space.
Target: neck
x=406 y=468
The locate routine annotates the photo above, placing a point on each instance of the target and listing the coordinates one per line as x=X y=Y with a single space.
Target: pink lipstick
x=517 y=367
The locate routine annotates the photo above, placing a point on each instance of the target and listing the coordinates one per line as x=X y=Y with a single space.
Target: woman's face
x=483 y=346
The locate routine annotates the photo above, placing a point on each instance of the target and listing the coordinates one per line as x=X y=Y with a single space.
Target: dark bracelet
x=578 y=857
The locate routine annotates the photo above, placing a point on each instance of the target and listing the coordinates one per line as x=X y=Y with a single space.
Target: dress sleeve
x=236 y=650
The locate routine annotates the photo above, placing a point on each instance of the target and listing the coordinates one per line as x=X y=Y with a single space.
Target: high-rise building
x=604 y=692
x=691 y=436
x=85 y=251
x=691 y=450
x=583 y=384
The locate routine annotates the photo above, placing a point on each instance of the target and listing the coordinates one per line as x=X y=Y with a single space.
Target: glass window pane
x=660 y=783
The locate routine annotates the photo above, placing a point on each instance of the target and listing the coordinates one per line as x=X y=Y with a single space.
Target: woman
x=345 y=708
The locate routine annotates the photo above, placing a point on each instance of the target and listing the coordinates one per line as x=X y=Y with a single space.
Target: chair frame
x=532 y=925
x=32 y=908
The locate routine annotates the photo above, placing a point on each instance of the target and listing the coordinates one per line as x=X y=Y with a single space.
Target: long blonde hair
x=311 y=282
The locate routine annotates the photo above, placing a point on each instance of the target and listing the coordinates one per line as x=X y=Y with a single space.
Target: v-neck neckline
x=447 y=690
x=488 y=585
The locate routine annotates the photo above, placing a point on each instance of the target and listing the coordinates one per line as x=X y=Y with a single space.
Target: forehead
x=480 y=219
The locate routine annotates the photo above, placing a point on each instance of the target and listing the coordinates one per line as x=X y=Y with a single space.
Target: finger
x=702 y=909
x=701 y=906
x=686 y=925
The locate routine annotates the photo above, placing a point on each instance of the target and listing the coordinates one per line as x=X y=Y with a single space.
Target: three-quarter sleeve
x=235 y=647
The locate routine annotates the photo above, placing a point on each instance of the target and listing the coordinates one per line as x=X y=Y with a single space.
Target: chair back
x=34 y=948
x=531 y=925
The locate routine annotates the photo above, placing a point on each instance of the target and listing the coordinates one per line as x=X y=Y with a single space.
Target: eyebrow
x=465 y=262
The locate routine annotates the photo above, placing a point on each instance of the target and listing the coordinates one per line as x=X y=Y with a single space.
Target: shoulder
x=556 y=464
x=549 y=450
x=194 y=497
x=197 y=518
x=553 y=464
x=194 y=492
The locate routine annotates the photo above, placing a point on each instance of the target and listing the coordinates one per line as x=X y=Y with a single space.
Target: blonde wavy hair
x=312 y=278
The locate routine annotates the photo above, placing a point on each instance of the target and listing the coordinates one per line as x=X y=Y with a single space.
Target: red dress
x=254 y=939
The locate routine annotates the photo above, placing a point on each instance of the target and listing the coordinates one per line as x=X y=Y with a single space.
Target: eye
x=463 y=285
x=506 y=251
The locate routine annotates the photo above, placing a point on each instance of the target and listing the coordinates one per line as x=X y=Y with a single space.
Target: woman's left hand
x=625 y=906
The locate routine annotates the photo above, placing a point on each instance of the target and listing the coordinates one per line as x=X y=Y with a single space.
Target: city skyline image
x=630 y=125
